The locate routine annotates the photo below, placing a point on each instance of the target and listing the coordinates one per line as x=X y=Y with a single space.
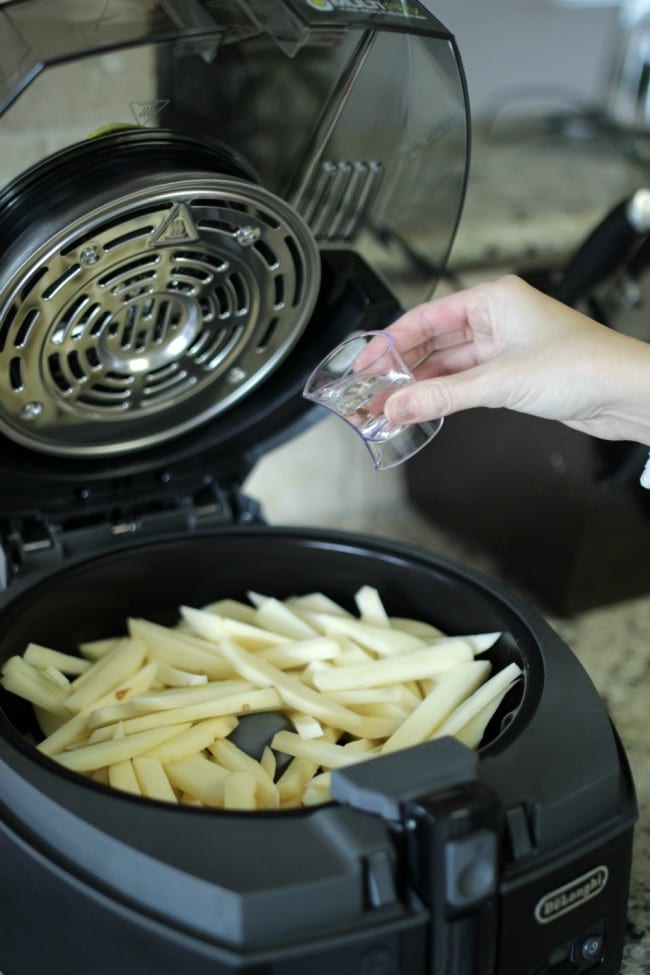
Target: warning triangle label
x=146 y=113
x=176 y=228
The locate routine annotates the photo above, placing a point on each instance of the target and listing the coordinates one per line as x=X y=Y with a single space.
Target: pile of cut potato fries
x=151 y=712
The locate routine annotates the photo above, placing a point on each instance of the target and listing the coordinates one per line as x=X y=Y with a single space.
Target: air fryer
x=216 y=194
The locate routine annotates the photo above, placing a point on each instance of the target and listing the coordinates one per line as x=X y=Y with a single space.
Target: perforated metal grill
x=151 y=315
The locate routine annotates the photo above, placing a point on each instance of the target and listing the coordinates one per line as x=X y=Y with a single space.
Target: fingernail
x=398 y=409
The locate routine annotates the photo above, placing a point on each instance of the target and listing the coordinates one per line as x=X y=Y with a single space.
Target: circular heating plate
x=151 y=315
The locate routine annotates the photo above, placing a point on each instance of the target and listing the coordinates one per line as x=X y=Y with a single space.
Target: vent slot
x=337 y=201
x=16 y=374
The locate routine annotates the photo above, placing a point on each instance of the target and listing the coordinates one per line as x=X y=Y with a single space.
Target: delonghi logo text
x=570 y=896
x=397 y=7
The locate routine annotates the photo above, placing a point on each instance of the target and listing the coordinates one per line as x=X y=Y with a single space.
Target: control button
x=471 y=868
x=591 y=948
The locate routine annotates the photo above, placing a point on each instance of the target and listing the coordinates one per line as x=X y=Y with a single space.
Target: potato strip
x=239 y=791
x=262 y=699
x=200 y=778
x=152 y=779
x=322 y=753
x=196 y=739
x=109 y=671
x=88 y=757
x=411 y=665
x=454 y=687
x=44 y=657
x=495 y=686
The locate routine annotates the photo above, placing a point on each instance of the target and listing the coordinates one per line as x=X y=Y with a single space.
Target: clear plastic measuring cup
x=354 y=381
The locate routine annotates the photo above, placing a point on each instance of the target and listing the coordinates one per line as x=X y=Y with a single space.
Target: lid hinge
x=37 y=544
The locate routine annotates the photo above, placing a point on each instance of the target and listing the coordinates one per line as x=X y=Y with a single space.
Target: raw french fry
x=30 y=683
x=494 y=688
x=279 y=618
x=233 y=609
x=269 y=763
x=379 y=639
x=248 y=636
x=100 y=775
x=292 y=782
x=410 y=665
x=425 y=631
x=323 y=753
x=121 y=776
x=173 y=677
x=368 y=695
x=89 y=757
x=472 y=732
x=397 y=713
x=69 y=733
x=179 y=650
x=168 y=700
x=187 y=800
x=453 y=688
x=138 y=683
x=264 y=699
x=305 y=725
x=293 y=692
x=239 y=791
x=94 y=649
x=410 y=695
x=294 y=803
x=57 y=677
x=351 y=652
x=307 y=675
x=196 y=739
x=229 y=756
x=44 y=657
x=316 y=795
x=200 y=778
x=110 y=671
x=317 y=602
x=479 y=642
x=152 y=779
x=300 y=652
x=360 y=745
x=371 y=609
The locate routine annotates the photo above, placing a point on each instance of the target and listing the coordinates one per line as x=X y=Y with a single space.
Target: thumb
x=430 y=399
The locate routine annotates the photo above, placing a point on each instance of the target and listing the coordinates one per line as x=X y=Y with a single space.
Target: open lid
x=182 y=186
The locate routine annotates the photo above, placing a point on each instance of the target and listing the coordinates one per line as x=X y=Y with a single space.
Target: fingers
x=441 y=317
x=434 y=398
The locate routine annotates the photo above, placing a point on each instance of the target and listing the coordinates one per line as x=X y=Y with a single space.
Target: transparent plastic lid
x=353 y=111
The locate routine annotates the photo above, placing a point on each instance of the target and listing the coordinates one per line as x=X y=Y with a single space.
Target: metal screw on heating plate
x=237 y=375
x=89 y=255
x=30 y=411
x=245 y=236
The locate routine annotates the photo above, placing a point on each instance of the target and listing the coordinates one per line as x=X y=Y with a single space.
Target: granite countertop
x=533 y=195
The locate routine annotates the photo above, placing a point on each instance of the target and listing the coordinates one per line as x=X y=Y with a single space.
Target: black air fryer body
x=157 y=324
x=432 y=860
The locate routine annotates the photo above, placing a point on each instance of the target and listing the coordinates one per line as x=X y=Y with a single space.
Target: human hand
x=505 y=344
